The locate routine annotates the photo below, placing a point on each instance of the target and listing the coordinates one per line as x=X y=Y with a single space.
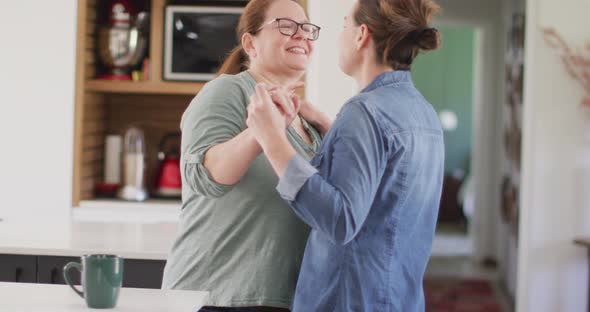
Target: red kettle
x=168 y=182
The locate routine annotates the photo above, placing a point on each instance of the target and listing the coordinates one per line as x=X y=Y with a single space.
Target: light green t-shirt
x=241 y=242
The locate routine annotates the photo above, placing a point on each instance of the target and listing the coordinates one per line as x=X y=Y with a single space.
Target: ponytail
x=235 y=62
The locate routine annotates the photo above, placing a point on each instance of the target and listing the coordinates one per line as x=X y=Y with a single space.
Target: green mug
x=102 y=276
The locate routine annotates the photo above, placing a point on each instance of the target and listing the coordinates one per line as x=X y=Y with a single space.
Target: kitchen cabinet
x=18 y=268
x=137 y=273
x=25 y=257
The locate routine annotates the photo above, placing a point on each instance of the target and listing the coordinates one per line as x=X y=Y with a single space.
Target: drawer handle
x=52 y=279
x=17 y=274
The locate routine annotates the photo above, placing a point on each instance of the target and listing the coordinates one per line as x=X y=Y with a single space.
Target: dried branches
x=576 y=60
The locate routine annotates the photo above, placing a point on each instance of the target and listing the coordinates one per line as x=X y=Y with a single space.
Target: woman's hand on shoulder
x=315 y=117
x=308 y=111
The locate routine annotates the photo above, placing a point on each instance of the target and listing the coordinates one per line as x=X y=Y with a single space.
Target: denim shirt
x=371 y=197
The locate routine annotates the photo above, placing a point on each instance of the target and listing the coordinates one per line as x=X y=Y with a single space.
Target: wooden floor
x=460 y=284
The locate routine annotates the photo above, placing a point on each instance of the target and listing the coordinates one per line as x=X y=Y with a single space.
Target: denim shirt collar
x=389 y=78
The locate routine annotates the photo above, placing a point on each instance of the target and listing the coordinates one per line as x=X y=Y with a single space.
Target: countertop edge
x=32 y=251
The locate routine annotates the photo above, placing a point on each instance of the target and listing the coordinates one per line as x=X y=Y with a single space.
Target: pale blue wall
x=445 y=78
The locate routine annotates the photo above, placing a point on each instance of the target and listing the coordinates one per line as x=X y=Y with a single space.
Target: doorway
x=446 y=79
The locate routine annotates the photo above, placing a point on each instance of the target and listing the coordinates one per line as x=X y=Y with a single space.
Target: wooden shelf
x=144 y=87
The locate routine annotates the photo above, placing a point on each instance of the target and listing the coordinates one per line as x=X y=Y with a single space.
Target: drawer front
x=143 y=273
x=18 y=268
x=50 y=270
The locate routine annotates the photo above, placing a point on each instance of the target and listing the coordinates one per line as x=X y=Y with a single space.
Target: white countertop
x=150 y=211
x=133 y=240
x=60 y=298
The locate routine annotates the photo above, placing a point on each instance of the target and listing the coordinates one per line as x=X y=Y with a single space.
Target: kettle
x=168 y=182
x=133 y=181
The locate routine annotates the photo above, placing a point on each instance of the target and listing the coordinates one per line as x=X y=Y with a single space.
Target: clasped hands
x=271 y=110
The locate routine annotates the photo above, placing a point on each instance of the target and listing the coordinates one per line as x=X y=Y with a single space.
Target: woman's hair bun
x=428 y=39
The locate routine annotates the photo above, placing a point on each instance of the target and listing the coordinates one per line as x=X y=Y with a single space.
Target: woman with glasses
x=371 y=194
x=237 y=238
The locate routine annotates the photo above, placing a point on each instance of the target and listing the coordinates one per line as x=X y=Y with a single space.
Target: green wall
x=445 y=78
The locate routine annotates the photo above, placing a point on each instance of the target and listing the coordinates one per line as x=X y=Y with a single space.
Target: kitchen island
x=60 y=298
x=35 y=251
x=135 y=240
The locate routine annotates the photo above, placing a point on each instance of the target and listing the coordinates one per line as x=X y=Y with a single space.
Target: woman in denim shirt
x=371 y=194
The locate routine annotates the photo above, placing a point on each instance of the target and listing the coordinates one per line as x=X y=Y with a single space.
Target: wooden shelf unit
x=144 y=87
x=105 y=107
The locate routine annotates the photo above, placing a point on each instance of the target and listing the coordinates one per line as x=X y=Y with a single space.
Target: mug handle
x=78 y=267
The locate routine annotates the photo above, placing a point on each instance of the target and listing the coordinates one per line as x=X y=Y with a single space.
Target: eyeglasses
x=289 y=27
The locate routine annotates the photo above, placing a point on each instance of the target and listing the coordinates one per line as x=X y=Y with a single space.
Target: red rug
x=460 y=295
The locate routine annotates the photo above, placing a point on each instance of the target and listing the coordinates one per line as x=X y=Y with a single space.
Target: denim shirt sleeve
x=336 y=200
x=296 y=174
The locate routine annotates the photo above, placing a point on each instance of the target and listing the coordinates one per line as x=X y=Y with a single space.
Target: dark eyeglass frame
x=311 y=36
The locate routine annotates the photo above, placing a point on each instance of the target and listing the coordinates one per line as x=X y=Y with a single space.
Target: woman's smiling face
x=276 y=52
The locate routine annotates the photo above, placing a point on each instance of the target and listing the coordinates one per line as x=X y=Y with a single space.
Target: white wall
x=327 y=87
x=553 y=272
x=36 y=107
